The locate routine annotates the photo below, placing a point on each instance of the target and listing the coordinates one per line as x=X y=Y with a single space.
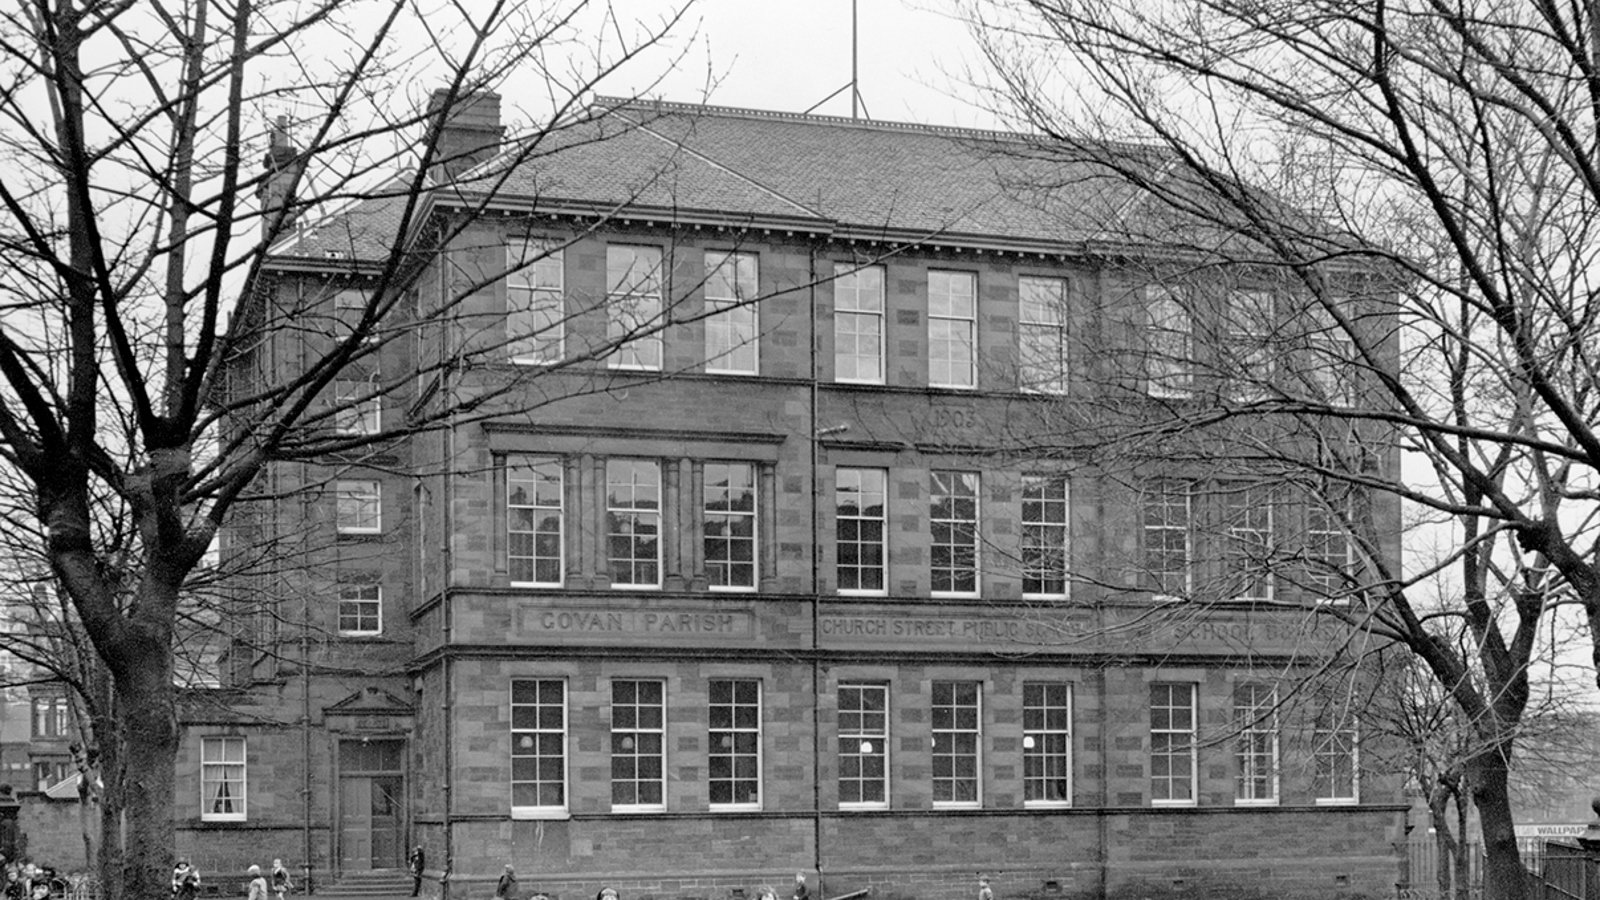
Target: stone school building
x=779 y=587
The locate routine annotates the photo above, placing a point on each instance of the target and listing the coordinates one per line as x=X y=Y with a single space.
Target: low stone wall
x=51 y=832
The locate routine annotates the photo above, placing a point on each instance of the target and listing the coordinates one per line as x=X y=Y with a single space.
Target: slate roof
x=825 y=174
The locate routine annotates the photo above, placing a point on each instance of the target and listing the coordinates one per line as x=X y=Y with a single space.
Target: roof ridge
x=616 y=104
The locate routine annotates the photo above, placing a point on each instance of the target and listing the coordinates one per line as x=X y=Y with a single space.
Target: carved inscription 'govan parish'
x=578 y=622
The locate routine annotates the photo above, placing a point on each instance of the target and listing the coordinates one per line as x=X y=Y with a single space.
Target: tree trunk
x=1504 y=878
x=147 y=703
x=1444 y=837
x=1463 y=851
x=109 y=740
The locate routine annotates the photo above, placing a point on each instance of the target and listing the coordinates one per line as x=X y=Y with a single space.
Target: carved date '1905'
x=947 y=418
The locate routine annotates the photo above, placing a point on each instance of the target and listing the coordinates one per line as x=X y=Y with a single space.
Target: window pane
x=858 y=323
x=222 y=778
x=538 y=742
x=534 y=520
x=359 y=506
x=859 y=520
x=863 y=744
x=633 y=515
x=731 y=335
x=1169 y=345
x=638 y=756
x=1256 y=756
x=953 y=518
x=1172 y=745
x=1044 y=536
x=956 y=737
x=730 y=525
x=1167 y=510
x=634 y=279
x=360 y=609
x=535 y=302
x=735 y=739
x=1041 y=330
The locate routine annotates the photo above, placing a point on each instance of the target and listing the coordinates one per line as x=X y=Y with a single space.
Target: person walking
x=258 y=885
x=801 y=892
x=417 y=861
x=506 y=888
x=984 y=893
x=280 y=880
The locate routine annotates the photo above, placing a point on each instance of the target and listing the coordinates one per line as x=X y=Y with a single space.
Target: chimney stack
x=469 y=135
x=283 y=165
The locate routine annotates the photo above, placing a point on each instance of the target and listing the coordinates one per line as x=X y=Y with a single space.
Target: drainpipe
x=305 y=728
x=1103 y=851
x=816 y=595
x=445 y=532
x=307 y=804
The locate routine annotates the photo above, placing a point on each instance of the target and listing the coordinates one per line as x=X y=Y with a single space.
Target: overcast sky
x=788 y=55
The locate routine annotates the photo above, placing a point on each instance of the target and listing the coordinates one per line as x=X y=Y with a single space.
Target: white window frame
x=214 y=756
x=1252 y=541
x=954 y=309
x=530 y=474
x=867 y=742
x=1169 y=345
x=634 y=287
x=536 y=315
x=1251 y=316
x=732 y=324
x=1255 y=712
x=49 y=771
x=861 y=520
x=638 y=731
x=349 y=305
x=945 y=531
x=1331 y=367
x=858 y=300
x=958 y=724
x=1157 y=510
x=359 y=505
x=1326 y=531
x=1173 y=732
x=359 y=597
x=358 y=406
x=534 y=736
x=1034 y=528
x=718 y=505
x=1047 y=739
x=1322 y=739
x=1042 y=334
x=639 y=512
x=53 y=714
x=742 y=723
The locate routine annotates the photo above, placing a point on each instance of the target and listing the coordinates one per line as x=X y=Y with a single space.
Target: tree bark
x=1444 y=837
x=1504 y=877
x=150 y=744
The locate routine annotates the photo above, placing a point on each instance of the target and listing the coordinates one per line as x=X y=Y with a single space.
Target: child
x=258 y=885
x=280 y=879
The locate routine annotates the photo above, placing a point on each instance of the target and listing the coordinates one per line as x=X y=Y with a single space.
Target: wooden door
x=355 y=823
x=387 y=820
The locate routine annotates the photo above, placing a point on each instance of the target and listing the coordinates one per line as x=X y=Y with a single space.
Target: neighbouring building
x=781 y=586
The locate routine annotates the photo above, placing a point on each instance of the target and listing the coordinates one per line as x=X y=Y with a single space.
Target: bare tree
x=136 y=209
x=1419 y=182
